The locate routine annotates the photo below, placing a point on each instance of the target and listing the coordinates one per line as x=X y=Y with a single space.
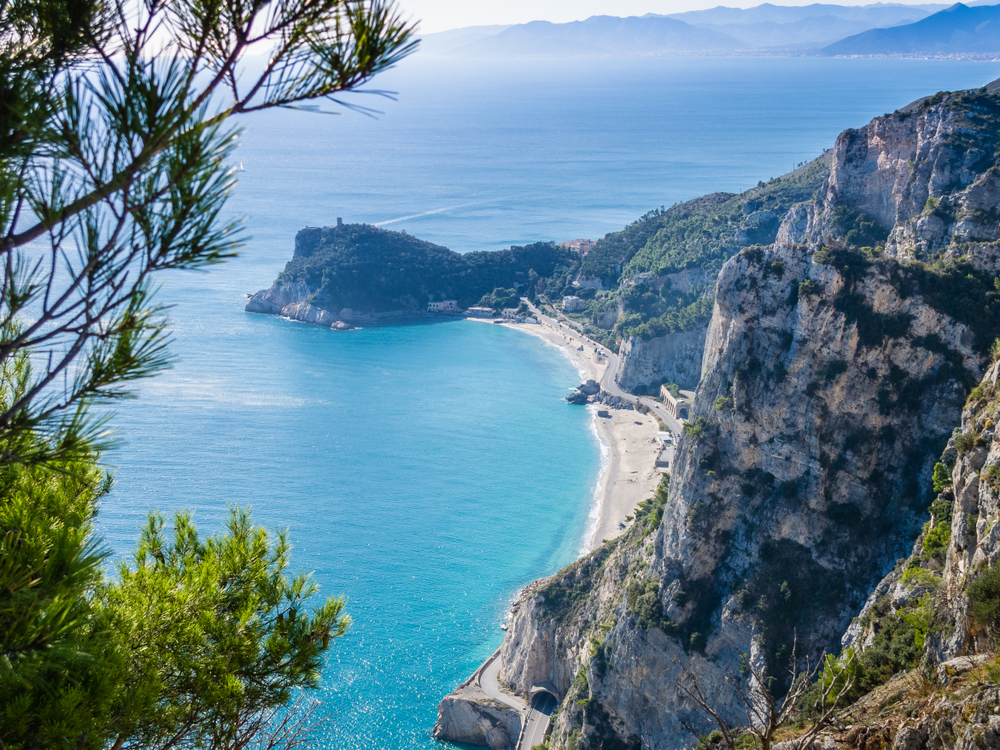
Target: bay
x=427 y=471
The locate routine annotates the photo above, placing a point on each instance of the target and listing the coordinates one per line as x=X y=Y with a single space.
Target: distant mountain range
x=955 y=31
x=825 y=29
x=601 y=35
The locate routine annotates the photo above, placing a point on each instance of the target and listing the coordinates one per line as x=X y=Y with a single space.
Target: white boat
x=240 y=168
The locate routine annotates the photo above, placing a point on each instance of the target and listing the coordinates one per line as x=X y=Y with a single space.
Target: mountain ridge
x=958 y=30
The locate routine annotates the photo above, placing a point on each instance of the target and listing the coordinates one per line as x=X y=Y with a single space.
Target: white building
x=447 y=305
x=480 y=312
x=510 y=313
x=572 y=304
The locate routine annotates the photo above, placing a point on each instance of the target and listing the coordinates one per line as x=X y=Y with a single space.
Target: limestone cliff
x=675 y=358
x=836 y=366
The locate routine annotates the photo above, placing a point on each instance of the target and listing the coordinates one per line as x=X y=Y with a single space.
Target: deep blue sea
x=427 y=471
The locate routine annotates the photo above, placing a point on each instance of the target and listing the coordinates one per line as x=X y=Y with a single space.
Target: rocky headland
x=836 y=486
x=354 y=274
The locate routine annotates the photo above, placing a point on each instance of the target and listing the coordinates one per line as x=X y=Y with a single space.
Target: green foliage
x=701 y=233
x=643 y=598
x=808 y=288
x=500 y=299
x=936 y=539
x=858 y=228
x=233 y=635
x=941 y=478
x=374 y=270
x=919 y=617
x=897 y=647
x=58 y=661
x=186 y=647
x=984 y=596
x=696 y=429
x=917 y=576
x=838 y=673
x=992 y=477
x=649 y=513
x=710 y=741
x=705 y=232
x=967 y=441
x=723 y=403
x=687 y=318
x=116 y=158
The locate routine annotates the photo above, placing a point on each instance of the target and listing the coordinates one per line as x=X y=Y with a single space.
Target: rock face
x=289 y=300
x=974 y=455
x=834 y=372
x=676 y=358
x=472 y=717
x=272 y=301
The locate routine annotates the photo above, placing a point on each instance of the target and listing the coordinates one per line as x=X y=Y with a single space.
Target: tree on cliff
x=115 y=150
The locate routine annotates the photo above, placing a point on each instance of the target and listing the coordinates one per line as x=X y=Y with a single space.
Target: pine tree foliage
x=116 y=146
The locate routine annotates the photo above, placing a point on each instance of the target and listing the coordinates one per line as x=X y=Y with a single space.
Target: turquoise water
x=429 y=471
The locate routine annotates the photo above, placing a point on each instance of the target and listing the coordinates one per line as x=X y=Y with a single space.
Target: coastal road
x=610 y=380
x=542 y=707
x=666 y=417
x=535 y=719
x=489 y=683
x=565 y=325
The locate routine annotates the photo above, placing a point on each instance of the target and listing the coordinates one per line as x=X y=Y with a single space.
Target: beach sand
x=628 y=439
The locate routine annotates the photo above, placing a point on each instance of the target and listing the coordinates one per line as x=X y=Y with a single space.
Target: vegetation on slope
x=699 y=235
x=372 y=270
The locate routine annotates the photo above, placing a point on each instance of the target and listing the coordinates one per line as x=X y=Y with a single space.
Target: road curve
x=489 y=683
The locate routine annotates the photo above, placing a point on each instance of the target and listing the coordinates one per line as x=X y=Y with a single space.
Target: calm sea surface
x=429 y=471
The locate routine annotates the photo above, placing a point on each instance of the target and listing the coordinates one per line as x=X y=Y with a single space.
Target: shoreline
x=627 y=441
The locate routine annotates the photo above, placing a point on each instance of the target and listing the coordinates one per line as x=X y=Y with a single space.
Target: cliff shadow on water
x=837 y=361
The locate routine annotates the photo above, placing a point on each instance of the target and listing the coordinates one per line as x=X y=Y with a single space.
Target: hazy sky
x=439 y=15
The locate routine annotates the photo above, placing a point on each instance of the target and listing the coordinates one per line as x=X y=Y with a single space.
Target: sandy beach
x=628 y=439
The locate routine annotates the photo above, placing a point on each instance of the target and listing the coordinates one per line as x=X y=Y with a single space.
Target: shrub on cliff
x=984 y=595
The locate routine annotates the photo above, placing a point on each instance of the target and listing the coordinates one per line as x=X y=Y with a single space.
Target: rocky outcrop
x=469 y=715
x=675 y=358
x=274 y=300
x=921 y=181
x=835 y=368
x=290 y=301
x=974 y=543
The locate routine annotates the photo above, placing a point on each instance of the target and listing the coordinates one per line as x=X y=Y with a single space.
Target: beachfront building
x=572 y=304
x=444 y=306
x=480 y=312
x=510 y=313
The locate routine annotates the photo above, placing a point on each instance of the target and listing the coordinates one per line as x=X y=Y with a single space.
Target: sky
x=440 y=15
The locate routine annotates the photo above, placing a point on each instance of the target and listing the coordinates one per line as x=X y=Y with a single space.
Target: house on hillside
x=579 y=246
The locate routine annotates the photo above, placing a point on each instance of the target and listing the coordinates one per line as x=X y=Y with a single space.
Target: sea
x=428 y=471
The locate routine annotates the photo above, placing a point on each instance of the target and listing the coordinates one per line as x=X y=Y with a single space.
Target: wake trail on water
x=428 y=213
